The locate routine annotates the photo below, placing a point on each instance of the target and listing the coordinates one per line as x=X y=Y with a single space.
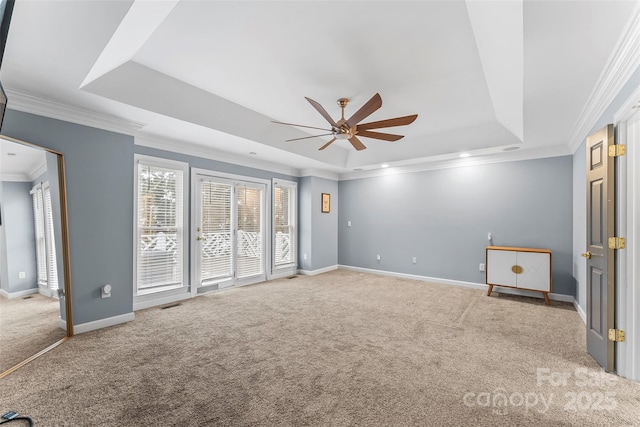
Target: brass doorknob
x=587 y=255
x=202 y=238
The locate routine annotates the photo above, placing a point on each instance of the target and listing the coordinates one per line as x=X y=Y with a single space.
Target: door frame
x=628 y=226
x=66 y=253
x=195 y=174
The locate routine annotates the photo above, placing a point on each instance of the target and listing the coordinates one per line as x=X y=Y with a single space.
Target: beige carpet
x=342 y=348
x=27 y=325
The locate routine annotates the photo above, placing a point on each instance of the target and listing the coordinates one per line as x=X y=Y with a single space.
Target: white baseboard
x=318 y=271
x=102 y=323
x=580 y=311
x=161 y=301
x=472 y=285
x=18 y=294
x=479 y=286
x=281 y=273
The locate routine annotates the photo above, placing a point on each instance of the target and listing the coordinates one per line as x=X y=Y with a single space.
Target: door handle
x=200 y=238
x=587 y=255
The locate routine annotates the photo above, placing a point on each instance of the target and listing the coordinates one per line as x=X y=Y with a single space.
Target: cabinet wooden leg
x=489 y=291
x=546 y=297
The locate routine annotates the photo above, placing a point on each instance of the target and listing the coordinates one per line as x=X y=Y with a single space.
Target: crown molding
x=15 y=177
x=38 y=170
x=29 y=103
x=319 y=174
x=628 y=108
x=622 y=63
x=185 y=147
x=514 y=156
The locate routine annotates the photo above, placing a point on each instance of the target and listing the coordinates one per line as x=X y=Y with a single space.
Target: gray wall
x=20 y=237
x=442 y=218
x=305 y=226
x=318 y=236
x=99 y=171
x=100 y=175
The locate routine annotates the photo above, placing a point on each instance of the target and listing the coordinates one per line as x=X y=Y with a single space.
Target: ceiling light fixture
x=511 y=149
x=384 y=165
x=464 y=154
x=11 y=154
x=253 y=153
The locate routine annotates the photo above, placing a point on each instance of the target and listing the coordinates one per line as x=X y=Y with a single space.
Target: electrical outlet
x=414 y=260
x=481 y=267
x=304 y=256
x=378 y=257
x=106 y=291
x=22 y=275
x=348 y=223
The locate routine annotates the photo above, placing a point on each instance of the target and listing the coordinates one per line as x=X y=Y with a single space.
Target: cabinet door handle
x=516 y=269
x=587 y=255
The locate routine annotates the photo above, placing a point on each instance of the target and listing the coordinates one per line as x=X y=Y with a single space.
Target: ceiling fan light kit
x=350 y=129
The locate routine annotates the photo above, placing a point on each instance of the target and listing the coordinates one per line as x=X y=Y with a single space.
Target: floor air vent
x=292 y=277
x=28 y=297
x=170 y=306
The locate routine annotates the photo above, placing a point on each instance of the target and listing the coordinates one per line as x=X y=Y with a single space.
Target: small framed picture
x=326 y=202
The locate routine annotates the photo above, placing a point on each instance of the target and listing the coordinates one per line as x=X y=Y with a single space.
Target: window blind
x=284 y=232
x=159 y=228
x=41 y=247
x=52 y=265
x=250 y=251
x=216 y=232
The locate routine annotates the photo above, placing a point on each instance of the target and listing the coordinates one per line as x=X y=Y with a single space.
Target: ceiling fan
x=350 y=128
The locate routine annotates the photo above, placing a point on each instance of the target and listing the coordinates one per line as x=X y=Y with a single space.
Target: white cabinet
x=521 y=268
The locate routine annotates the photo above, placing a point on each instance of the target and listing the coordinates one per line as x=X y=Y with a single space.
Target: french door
x=228 y=232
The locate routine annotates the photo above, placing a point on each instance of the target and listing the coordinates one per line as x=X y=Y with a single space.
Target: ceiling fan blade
x=379 y=135
x=398 y=121
x=322 y=111
x=327 y=144
x=301 y=126
x=307 y=137
x=366 y=110
x=356 y=143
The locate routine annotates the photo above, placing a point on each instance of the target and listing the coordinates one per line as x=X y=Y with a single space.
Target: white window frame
x=628 y=225
x=292 y=267
x=45 y=287
x=49 y=231
x=198 y=172
x=145 y=300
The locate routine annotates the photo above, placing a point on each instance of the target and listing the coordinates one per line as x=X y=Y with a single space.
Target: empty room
x=325 y=213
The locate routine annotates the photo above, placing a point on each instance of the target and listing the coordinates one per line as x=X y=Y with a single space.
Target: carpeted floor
x=27 y=325
x=341 y=348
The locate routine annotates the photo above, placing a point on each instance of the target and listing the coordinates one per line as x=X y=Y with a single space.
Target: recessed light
x=511 y=149
x=384 y=165
x=253 y=153
x=464 y=154
x=358 y=169
x=11 y=154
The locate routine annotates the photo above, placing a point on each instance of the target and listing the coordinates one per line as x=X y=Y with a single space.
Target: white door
x=214 y=232
x=229 y=232
x=250 y=235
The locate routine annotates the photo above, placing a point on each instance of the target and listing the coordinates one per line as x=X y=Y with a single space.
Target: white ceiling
x=20 y=162
x=482 y=76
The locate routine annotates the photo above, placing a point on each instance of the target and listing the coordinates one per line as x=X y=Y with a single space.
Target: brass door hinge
x=617 y=243
x=617 y=150
x=616 y=335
